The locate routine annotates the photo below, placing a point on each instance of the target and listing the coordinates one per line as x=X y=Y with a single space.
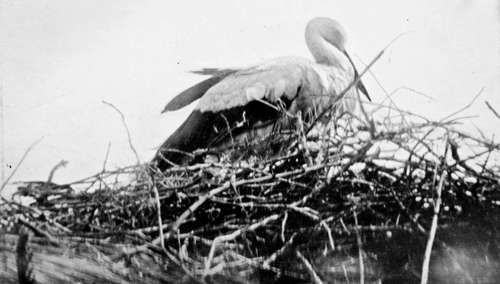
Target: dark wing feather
x=212 y=129
x=197 y=91
x=212 y=71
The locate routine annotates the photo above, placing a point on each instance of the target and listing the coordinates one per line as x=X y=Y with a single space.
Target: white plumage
x=278 y=79
x=242 y=100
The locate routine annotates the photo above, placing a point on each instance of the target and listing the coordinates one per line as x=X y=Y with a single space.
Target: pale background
x=59 y=59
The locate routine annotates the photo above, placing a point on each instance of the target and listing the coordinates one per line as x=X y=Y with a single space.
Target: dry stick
x=345 y=274
x=463 y=108
x=234 y=235
x=360 y=155
x=488 y=144
x=401 y=111
x=126 y=128
x=368 y=120
x=5 y=182
x=283 y=226
x=309 y=268
x=106 y=156
x=432 y=232
x=174 y=226
x=329 y=233
x=272 y=258
x=49 y=237
x=360 y=251
x=412 y=151
x=389 y=95
x=202 y=199
x=92 y=178
x=158 y=206
x=462 y=162
x=45 y=187
x=485 y=164
x=306 y=211
x=33 y=209
x=303 y=140
x=289 y=181
x=492 y=109
x=61 y=164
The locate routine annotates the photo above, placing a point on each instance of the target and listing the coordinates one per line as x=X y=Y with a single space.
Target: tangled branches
x=351 y=200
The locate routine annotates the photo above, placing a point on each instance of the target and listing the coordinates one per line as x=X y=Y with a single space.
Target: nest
x=360 y=199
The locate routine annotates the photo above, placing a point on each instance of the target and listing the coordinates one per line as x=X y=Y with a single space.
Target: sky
x=60 y=59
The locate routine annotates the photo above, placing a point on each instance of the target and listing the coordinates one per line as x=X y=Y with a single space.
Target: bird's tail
x=177 y=149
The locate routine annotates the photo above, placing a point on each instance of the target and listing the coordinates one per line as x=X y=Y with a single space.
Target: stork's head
x=326 y=40
x=329 y=29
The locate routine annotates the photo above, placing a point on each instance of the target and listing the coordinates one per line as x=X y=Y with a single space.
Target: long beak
x=361 y=87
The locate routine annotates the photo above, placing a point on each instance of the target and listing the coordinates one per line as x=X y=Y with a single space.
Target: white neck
x=325 y=52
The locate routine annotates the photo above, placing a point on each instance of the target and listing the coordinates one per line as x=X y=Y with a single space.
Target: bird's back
x=274 y=80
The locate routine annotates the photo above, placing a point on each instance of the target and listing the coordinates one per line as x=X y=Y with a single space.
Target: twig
x=329 y=233
x=432 y=232
x=492 y=109
x=283 y=226
x=105 y=161
x=235 y=234
x=202 y=199
x=309 y=268
x=106 y=156
x=158 y=214
x=59 y=165
x=5 y=182
x=272 y=258
x=357 y=157
x=198 y=205
x=360 y=251
x=40 y=232
x=346 y=275
x=129 y=137
x=369 y=121
x=464 y=107
x=303 y=140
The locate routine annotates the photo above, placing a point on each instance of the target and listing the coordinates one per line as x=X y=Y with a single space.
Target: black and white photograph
x=231 y=141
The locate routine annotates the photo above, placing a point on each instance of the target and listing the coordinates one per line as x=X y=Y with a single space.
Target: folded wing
x=275 y=80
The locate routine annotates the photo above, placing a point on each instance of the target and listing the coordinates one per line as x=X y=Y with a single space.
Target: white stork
x=234 y=102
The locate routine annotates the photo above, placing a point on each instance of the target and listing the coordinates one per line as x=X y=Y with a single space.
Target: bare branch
x=5 y=182
x=309 y=268
x=492 y=109
x=129 y=137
